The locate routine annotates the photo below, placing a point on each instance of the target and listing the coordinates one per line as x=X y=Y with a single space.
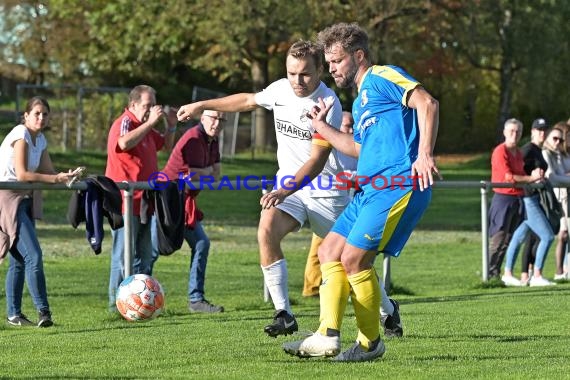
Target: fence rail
x=128 y=188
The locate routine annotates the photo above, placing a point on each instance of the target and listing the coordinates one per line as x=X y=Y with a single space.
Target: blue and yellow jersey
x=384 y=126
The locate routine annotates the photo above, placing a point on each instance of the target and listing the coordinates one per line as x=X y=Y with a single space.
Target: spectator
x=506 y=211
x=535 y=219
x=198 y=152
x=312 y=268
x=532 y=158
x=132 y=148
x=556 y=156
x=567 y=161
x=24 y=158
x=302 y=155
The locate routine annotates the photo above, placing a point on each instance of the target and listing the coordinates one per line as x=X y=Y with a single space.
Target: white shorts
x=321 y=213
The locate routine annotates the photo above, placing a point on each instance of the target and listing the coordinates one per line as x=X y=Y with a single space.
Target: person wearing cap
x=530 y=156
x=535 y=219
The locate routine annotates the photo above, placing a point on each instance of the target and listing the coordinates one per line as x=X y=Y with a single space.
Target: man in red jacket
x=132 y=148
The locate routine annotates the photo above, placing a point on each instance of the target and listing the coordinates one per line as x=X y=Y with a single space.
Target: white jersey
x=348 y=164
x=296 y=136
x=19 y=132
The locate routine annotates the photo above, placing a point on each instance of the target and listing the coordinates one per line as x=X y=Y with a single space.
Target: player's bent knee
x=357 y=260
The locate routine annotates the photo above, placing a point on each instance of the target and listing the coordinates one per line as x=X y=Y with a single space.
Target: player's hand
x=272 y=199
x=319 y=112
x=187 y=111
x=423 y=170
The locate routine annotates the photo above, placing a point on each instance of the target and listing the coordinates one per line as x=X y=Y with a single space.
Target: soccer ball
x=140 y=298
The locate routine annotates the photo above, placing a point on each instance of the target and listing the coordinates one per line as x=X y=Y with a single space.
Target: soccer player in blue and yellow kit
x=396 y=123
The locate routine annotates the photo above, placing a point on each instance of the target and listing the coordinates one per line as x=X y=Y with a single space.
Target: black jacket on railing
x=168 y=205
x=101 y=199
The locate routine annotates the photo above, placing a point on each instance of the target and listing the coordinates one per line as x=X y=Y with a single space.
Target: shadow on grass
x=491 y=284
x=400 y=290
x=523 y=291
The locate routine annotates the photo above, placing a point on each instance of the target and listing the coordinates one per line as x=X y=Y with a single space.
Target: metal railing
x=128 y=188
x=485 y=187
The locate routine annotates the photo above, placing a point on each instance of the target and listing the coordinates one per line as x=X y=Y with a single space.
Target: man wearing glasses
x=198 y=152
x=302 y=155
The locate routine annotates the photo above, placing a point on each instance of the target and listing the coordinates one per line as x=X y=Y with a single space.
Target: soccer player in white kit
x=306 y=186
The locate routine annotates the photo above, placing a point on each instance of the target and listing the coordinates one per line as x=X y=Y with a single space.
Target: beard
x=348 y=80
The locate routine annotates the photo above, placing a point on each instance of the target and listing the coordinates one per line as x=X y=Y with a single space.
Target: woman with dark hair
x=24 y=158
x=556 y=155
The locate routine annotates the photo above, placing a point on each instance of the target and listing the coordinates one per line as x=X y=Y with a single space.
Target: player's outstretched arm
x=233 y=103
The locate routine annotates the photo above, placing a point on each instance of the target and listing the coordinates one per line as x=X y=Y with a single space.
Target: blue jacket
x=102 y=198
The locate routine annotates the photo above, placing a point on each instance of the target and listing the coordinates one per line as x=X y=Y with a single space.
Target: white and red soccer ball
x=139 y=298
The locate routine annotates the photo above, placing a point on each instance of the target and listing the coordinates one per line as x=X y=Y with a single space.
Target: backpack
x=550 y=205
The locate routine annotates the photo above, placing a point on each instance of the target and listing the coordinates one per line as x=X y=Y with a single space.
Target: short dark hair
x=351 y=37
x=304 y=49
x=32 y=102
x=136 y=93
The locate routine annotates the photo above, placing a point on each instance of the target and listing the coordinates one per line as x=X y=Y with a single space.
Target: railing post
x=485 y=231
x=386 y=273
x=128 y=238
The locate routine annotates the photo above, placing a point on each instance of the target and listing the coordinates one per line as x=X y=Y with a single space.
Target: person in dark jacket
x=102 y=198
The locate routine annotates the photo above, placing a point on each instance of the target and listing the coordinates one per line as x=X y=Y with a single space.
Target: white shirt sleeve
x=267 y=97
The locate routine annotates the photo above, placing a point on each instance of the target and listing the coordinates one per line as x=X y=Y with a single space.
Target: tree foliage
x=485 y=60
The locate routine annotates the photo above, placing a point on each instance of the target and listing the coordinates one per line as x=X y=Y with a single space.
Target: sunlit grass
x=456 y=327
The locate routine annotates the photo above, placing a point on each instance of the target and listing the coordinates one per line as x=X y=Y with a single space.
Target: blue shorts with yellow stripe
x=382 y=219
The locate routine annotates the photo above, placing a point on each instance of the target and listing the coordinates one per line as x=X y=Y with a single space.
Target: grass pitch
x=454 y=326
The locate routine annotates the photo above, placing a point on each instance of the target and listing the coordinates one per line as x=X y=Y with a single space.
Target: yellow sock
x=334 y=292
x=313 y=269
x=366 y=302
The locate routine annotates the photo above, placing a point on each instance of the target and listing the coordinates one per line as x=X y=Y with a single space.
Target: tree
x=503 y=38
x=167 y=40
x=249 y=37
x=26 y=31
x=484 y=60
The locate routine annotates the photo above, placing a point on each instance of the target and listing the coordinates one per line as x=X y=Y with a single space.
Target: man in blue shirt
x=396 y=123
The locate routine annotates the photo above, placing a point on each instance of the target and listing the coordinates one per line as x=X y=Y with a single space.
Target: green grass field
x=455 y=326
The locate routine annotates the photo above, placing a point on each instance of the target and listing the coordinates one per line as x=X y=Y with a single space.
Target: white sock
x=276 y=280
x=386 y=308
